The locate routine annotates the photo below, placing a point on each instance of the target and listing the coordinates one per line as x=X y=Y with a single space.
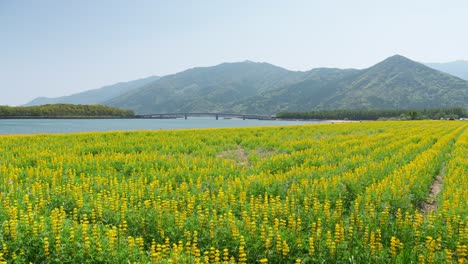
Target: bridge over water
x=206 y=114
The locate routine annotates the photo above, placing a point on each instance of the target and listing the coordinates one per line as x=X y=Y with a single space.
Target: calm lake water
x=41 y=126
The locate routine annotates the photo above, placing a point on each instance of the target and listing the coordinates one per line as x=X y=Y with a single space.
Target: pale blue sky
x=54 y=48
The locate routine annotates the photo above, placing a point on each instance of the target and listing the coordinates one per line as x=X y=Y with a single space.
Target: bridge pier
x=243 y=117
x=185 y=116
x=216 y=116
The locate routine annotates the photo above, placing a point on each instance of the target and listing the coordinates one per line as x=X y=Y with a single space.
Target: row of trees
x=413 y=114
x=64 y=110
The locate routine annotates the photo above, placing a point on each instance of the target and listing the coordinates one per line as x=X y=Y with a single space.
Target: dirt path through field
x=431 y=203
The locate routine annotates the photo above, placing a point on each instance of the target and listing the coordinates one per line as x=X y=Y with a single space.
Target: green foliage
x=345 y=193
x=64 y=110
x=414 y=114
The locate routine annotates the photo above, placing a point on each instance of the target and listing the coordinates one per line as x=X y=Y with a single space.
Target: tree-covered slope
x=399 y=83
x=95 y=96
x=395 y=83
x=300 y=96
x=207 y=88
x=262 y=88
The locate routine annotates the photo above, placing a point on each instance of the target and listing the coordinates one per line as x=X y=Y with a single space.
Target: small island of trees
x=64 y=110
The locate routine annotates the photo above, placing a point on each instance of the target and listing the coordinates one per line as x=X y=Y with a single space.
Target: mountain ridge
x=262 y=88
x=196 y=89
x=398 y=82
x=94 y=96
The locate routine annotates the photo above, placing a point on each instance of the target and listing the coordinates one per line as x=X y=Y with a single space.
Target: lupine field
x=336 y=193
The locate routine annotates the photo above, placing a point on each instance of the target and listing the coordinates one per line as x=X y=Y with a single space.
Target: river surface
x=45 y=126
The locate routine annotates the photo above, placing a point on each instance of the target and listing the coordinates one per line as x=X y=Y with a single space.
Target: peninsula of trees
x=64 y=110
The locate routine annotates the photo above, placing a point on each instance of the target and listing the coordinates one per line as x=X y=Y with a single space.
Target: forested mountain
x=210 y=89
x=456 y=68
x=399 y=83
x=95 y=96
x=395 y=83
x=300 y=96
x=262 y=88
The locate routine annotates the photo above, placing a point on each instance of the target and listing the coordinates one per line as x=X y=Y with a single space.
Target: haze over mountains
x=456 y=68
x=95 y=96
x=262 y=88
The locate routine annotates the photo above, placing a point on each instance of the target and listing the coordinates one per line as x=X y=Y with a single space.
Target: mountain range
x=95 y=96
x=262 y=88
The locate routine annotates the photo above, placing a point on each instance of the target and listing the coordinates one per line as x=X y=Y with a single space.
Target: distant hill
x=247 y=87
x=262 y=88
x=399 y=83
x=304 y=95
x=95 y=96
x=455 y=68
x=209 y=89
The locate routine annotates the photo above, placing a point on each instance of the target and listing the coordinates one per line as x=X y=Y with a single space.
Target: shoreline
x=67 y=117
x=54 y=126
x=142 y=118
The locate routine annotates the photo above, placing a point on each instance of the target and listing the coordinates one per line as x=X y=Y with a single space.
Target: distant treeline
x=436 y=113
x=64 y=110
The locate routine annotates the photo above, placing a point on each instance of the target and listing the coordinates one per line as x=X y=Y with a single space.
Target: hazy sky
x=55 y=48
